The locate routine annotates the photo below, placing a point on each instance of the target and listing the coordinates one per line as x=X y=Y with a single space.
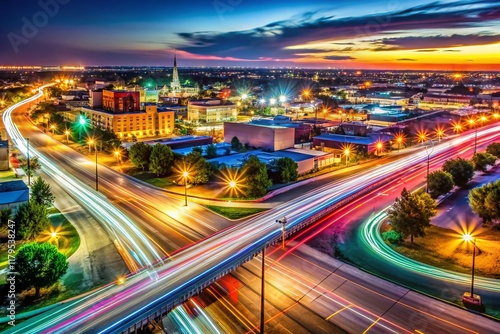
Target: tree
x=197 y=149
x=494 y=149
x=41 y=194
x=31 y=219
x=200 y=169
x=485 y=201
x=481 y=161
x=236 y=144
x=34 y=165
x=256 y=178
x=460 y=169
x=161 y=159
x=284 y=170
x=139 y=154
x=5 y=216
x=211 y=151
x=39 y=266
x=439 y=183
x=411 y=214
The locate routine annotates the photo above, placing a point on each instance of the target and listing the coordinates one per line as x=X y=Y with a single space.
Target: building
x=337 y=143
x=120 y=100
x=267 y=137
x=211 y=110
x=176 y=89
x=150 y=122
x=13 y=194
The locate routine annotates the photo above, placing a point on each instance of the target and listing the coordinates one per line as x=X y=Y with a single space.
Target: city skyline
x=445 y=35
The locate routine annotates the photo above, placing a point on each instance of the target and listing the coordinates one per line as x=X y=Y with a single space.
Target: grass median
x=234 y=213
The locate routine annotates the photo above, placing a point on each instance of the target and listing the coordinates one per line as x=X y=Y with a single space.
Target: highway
x=114 y=308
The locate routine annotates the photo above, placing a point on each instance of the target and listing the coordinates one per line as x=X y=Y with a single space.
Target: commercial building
x=13 y=194
x=150 y=122
x=120 y=100
x=267 y=137
x=368 y=144
x=211 y=111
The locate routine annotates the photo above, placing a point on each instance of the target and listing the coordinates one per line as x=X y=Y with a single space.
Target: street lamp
x=94 y=142
x=378 y=147
x=470 y=297
x=473 y=122
x=429 y=152
x=399 y=140
x=185 y=174
x=283 y=226
x=55 y=236
x=117 y=155
x=28 y=158
x=67 y=136
x=82 y=122
x=346 y=152
x=52 y=127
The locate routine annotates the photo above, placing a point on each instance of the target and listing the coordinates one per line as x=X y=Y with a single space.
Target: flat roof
x=354 y=139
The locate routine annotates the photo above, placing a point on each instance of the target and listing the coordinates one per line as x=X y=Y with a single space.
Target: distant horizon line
x=84 y=67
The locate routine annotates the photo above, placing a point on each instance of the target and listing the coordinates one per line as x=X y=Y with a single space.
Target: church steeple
x=176 y=84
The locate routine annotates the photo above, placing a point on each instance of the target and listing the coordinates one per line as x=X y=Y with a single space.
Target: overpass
x=155 y=290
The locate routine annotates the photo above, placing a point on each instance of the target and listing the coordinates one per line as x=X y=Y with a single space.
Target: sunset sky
x=363 y=34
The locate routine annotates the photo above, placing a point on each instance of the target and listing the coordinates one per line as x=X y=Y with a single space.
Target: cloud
x=436 y=42
x=275 y=39
x=339 y=58
x=406 y=59
x=427 y=50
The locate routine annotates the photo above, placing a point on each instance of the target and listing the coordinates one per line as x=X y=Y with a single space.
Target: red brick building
x=120 y=100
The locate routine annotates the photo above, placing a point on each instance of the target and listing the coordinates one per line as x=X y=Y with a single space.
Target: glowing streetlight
x=90 y=142
x=399 y=140
x=457 y=127
x=272 y=101
x=496 y=116
x=282 y=98
x=82 y=122
x=346 y=152
x=117 y=155
x=52 y=128
x=439 y=134
x=232 y=184
x=66 y=132
x=54 y=235
x=379 y=146
x=120 y=280
x=185 y=175
x=244 y=96
x=429 y=152
x=470 y=297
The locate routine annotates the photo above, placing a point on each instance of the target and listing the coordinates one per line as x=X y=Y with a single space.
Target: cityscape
x=235 y=166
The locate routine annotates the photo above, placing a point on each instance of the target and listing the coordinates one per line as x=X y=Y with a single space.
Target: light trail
x=115 y=221
x=370 y=236
x=205 y=260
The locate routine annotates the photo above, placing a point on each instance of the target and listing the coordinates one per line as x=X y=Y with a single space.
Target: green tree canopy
x=485 y=201
x=236 y=144
x=211 y=151
x=283 y=170
x=161 y=160
x=5 y=216
x=256 y=178
x=139 y=154
x=39 y=266
x=481 y=161
x=412 y=213
x=41 y=193
x=439 y=183
x=200 y=170
x=460 y=169
x=31 y=219
x=34 y=165
x=494 y=149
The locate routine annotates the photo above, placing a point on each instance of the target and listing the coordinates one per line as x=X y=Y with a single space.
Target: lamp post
x=429 y=152
x=473 y=122
x=52 y=127
x=118 y=156
x=262 y=293
x=346 y=152
x=82 y=124
x=67 y=136
x=56 y=236
x=399 y=140
x=378 y=147
x=185 y=174
x=470 y=296
x=94 y=142
x=283 y=227
x=28 y=158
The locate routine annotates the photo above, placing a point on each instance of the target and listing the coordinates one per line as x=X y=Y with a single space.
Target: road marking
x=373 y=324
x=335 y=313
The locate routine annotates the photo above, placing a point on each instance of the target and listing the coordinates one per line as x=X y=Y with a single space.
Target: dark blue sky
x=347 y=34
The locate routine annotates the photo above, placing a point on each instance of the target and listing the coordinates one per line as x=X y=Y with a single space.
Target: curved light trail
x=122 y=306
x=370 y=236
x=117 y=223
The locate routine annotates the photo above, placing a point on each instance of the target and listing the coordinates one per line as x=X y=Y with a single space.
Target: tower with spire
x=175 y=85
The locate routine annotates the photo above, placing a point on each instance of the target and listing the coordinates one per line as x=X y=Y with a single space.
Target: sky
x=461 y=35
